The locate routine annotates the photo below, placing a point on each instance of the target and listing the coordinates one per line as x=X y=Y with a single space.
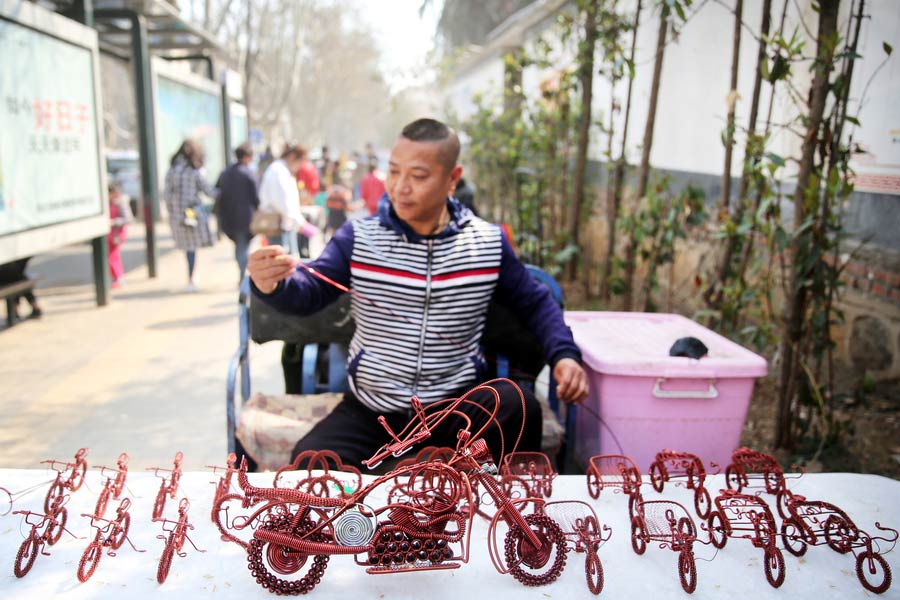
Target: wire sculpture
x=814 y=523
x=69 y=476
x=400 y=489
x=670 y=465
x=114 y=484
x=529 y=470
x=321 y=484
x=168 y=486
x=615 y=471
x=46 y=529
x=110 y=535
x=747 y=516
x=175 y=540
x=748 y=465
x=581 y=528
x=227 y=495
x=669 y=524
x=422 y=528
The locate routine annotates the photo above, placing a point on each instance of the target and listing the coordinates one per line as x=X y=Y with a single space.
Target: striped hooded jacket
x=420 y=303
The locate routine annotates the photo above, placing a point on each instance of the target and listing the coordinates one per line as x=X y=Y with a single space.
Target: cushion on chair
x=270 y=426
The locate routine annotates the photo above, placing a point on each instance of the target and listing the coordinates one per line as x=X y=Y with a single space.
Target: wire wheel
x=838 y=534
x=638 y=541
x=593 y=485
x=687 y=571
x=54 y=494
x=89 y=561
x=102 y=501
x=773 y=563
x=718 y=530
x=165 y=562
x=656 y=477
x=269 y=561
x=528 y=563
x=593 y=570
x=160 y=503
x=119 y=485
x=702 y=502
x=54 y=531
x=873 y=571
x=792 y=538
x=120 y=532
x=592 y=529
x=77 y=477
x=25 y=556
x=781 y=499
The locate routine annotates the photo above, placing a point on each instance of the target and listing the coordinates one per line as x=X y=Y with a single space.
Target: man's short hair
x=432 y=130
x=243 y=151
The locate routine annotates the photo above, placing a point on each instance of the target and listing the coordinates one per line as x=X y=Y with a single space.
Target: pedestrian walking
x=279 y=193
x=238 y=201
x=187 y=218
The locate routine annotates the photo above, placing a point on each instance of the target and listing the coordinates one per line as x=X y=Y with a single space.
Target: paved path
x=145 y=374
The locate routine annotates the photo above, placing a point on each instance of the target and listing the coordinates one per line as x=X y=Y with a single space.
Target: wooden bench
x=11 y=293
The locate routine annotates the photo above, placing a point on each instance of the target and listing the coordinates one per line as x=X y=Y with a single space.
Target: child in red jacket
x=119 y=217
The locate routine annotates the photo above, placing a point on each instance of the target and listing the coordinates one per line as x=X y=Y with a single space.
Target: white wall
x=695 y=83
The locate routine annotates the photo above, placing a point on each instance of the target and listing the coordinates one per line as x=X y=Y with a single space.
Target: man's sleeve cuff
x=573 y=354
x=278 y=289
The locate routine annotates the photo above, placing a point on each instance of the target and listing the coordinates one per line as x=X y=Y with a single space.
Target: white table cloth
x=735 y=572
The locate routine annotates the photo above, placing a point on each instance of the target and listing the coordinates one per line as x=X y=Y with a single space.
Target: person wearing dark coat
x=238 y=200
x=465 y=193
x=14 y=272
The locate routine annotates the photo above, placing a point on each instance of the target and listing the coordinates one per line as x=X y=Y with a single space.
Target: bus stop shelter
x=136 y=31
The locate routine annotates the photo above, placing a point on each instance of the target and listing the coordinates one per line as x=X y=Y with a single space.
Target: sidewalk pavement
x=144 y=374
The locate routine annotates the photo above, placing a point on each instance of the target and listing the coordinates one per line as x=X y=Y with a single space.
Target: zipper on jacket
x=424 y=318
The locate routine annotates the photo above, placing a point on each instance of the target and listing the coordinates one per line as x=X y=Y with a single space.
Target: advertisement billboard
x=51 y=176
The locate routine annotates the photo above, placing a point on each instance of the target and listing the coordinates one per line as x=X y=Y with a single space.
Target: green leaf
x=775 y=159
x=853 y=120
x=887 y=48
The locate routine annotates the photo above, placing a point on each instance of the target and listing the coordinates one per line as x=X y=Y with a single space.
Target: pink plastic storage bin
x=651 y=401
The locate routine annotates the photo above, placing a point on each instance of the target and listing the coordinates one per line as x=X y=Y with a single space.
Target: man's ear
x=455 y=175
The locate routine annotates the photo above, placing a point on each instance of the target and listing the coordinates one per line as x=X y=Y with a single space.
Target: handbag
x=190 y=217
x=266 y=223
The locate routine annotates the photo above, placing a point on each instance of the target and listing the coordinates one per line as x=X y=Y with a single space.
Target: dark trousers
x=352 y=430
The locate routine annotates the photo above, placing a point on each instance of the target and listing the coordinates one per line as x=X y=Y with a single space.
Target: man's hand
x=268 y=266
x=571 y=381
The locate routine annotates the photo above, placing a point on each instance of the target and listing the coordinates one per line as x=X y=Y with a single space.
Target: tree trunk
x=713 y=294
x=732 y=102
x=644 y=168
x=745 y=258
x=794 y=330
x=612 y=212
x=586 y=80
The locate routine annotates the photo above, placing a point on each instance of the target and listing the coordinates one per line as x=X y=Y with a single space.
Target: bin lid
x=637 y=344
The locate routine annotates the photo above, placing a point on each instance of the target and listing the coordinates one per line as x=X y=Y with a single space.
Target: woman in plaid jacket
x=188 y=220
